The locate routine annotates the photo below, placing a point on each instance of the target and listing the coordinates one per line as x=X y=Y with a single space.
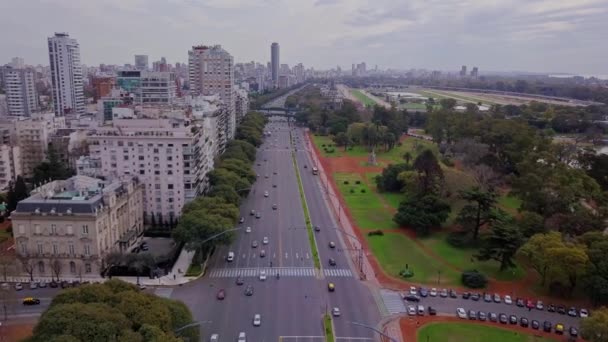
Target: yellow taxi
x=31 y=301
x=559 y=328
x=331 y=287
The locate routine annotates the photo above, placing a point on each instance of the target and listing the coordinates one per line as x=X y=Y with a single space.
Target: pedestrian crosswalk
x=392 y=301
x=337 y=272
x=255 y=272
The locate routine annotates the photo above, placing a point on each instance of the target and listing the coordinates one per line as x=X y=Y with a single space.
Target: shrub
x=447 y=162
x=352 y=191
x=406 y=273
x=474 y=279
x=358 y=182
x=322 y=145
x=459 y=239
x=362 y=191
x=345 y=182
x=376 y=232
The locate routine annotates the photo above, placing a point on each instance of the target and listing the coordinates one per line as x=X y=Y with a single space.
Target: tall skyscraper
x=275 y=63
x=210 y=72
x=141 y=62
x=475 y=72
x=66 y=72
x=21 y=95
x=463 y=71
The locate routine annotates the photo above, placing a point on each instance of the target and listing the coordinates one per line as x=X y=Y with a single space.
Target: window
x=23 y=248
x=21 y=229
x=157 y=186
x=71 y=248
x=72 y=267
x=155 y=150
x=53 y=229
x=169 y=172
x=170 y=199
x=141 y=157
x=85 y=229
x=142 y=172
x=39 y=248
x=37 y=228
x=158 y=200
x=87 y=268
x=70 y=229
x=157 y=172
x=55 y=249
x=170 y=186
x=125 y=157
x=41 y=267
x=87 y=249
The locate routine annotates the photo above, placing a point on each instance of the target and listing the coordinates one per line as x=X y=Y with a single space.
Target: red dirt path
x=409 y=325
x=521 y=288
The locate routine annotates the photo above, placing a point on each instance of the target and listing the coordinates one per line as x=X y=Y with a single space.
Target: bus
x=315 y=171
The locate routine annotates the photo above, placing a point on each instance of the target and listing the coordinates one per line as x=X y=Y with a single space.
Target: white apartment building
x=148 y=87
x=20 y=87
x=32 y=136
x=211 y=71
x=163 y=153
x=10 y=165
x=66 y=228
x=241 y=103
x=209 y=113
x=66 y=75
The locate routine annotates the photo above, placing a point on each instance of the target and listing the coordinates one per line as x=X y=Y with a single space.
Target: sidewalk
x=339 y=213
x=175 y=277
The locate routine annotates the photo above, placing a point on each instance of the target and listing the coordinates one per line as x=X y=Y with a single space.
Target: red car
x=530 y=304
x=221 y=294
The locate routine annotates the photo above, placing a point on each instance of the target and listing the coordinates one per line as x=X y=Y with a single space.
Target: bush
x=352 y=191
x=406 y=273
x=322 y=145
x=474 y=279
x=362 y=191
x=447 y=162
x=346 y=182
x=358 y=182
x=376 y=232
x=459 y=239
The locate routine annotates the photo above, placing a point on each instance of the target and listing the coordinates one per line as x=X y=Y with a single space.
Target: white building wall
x=20 y=87
x=66 y=75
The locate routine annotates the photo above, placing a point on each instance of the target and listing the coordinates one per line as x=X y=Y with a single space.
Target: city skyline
x=554 y=36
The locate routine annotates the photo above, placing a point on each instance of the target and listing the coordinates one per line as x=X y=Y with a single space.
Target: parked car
x=547 y=326
x=443 y=293
x=475 y=296
x=551 y=308
x=432 y=311
x=573 y=332
x=520 y=302
x=487 y=297
x=572 y=312
x=496 y=298
x=559 y=329
x=530 y=304
x=461 y=313
x=453 y=294
x=423 y=292
x=53 y=284
x=43 y=284
x=561 y=310
x=481 y=316
x=18 y=286
x=523 y=321
x=33 y=285
x=502 y=318
x=411 y=310
x=413 y=290
x=472 y=315
x=535 y=324
x=421 y=310
x=508 y=300
x=433 y=292
x=466 y=295
x=583 y=313
x=513 y=319
x=493 y=317
x=540 y=305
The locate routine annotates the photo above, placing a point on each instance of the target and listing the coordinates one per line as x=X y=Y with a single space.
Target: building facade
x=102 y=86
x=148 y=87
x=211 y=71
x=20 y=87
x=141 y=62
x=66 y=228
x=10 y=165
x=66 y=75
x=274 y=64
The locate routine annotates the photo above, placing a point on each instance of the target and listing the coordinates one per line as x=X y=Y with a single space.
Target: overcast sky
x=500 y=35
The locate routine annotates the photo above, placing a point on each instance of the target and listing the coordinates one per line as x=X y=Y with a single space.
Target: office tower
x=66 y=75
x=474 y=72
x=275 y=63
x=20 y=87
x=141 y=62
x=210 y=72
x=463 y=71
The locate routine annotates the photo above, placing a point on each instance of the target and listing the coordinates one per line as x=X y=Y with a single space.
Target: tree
x=241 y=168
x=429 y=171
x=51 y=169
x=197 y=227
x=6 y=262
x=595 y=279
x=447 y=103
x=478 y=211
x=28 y=266
x=595 y=327
x=596 y=166
x=16 y=193
x=388 y=180
x=534 y=252
x=501 y=243
x=422 y=213
x=531 y=223
x=473 y=279
x=573 y=263
x=407 y=156
x=56 y=267
x=223 y=176
x=226 y=192
x=409 y=182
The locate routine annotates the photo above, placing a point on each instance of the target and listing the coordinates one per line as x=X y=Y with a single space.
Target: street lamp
x=374 y=329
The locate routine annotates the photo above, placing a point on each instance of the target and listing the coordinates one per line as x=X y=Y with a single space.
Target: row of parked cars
x=547 y=326
x=415 y=294
x=42 y=284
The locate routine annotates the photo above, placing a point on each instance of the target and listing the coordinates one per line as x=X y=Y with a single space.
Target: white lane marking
x=307 y=256
x=296 y=255
x=355 y=338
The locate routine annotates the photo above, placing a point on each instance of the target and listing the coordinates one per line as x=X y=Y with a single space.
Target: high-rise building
x=275 y=63
x=463 y=71
x=20 y=87
x=148 y=87
x=141 y=62
x=474 y=72
x=66 y=75
x=211 y=71
x=17 y=62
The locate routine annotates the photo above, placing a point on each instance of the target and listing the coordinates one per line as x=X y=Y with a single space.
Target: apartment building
x=10 y=165
x=66 y=228
x=149 y=87
x=66 y=75
x=20 y=87
x=162 y=153
x=211 y=71
x=241 y=103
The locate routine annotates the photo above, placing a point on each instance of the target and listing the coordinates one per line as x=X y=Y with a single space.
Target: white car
x=266 y=192
x=241 y=221
x=433 y=292
x=583 y=313
x=335 y=312
x=33 y=285
x=262 y=275
x=248 y=230
x=257 y=320
x=242 y=337
x=265 y=240
x=421 y=310
x=411 y=310
x=508 y=300
x=214 y=338
x=413 y=290
x=461 y=313
x=230 y=256
x=18 y=286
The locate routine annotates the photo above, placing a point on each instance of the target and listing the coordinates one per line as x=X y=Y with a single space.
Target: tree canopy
x=422 y=213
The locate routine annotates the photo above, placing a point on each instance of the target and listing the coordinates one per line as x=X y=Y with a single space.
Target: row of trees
x=207 y=221
x=113 y=311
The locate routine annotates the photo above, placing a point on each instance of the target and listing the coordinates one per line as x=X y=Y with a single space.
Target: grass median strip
x=329 y=330
x=311 y=236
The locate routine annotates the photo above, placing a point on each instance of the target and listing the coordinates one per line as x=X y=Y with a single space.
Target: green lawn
x=463 y=258
x=509 y=203
x=366 y=207
x=366 y=100
x=394 y=251
x=470 y=332
x=413 y=105
x=355 y=151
